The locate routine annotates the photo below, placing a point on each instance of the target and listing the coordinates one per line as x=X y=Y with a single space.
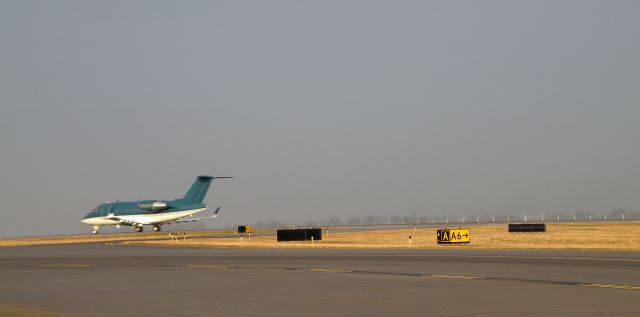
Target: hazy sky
x=318 y=108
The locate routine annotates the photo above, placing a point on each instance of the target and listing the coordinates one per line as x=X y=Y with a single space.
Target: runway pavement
x=116 y=280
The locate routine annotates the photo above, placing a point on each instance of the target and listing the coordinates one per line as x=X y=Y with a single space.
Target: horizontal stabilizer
x=189 y=219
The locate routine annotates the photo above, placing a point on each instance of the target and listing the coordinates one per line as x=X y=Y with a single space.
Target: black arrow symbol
x=465 y=235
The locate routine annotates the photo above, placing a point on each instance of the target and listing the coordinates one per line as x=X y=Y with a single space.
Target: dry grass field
x=599 y=236
x=565 y=236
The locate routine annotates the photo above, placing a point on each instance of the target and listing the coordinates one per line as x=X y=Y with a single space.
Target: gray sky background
x=318 y=108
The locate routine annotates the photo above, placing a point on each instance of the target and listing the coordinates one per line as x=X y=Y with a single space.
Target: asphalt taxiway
x=116 y=280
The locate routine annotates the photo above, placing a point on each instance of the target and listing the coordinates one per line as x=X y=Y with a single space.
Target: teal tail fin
x=199 y=189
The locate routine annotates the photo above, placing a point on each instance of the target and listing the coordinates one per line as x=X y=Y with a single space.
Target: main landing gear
x=156 y=228
x=139 y=229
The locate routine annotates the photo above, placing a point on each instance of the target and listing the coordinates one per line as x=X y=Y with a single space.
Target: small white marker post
x=589 y=217
x=240 y=238
x=311 y=240
x=622 y=219
x=327 y=232
x=409 y=241
x=558 y=218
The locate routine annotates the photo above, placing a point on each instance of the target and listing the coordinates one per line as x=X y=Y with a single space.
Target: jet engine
x=153 y=206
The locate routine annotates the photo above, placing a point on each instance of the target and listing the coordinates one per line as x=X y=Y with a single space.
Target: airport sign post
x=453 y=236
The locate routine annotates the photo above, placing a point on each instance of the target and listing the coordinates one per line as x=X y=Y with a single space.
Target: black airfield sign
x=299 y=234
x=527 y=227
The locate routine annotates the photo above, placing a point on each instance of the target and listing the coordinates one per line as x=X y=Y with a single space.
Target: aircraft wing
x=190 y=219
x=126 y=221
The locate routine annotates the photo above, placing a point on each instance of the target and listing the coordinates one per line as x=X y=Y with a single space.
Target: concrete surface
x=112 y=280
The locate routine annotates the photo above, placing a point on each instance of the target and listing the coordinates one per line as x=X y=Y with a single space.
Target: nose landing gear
x=139 y=228
x=95 y=229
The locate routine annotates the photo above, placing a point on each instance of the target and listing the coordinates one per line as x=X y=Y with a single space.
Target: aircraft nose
x=87 y=218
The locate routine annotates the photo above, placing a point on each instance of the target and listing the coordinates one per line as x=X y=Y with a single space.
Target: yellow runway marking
x=329 y=271
x=464 y=256
x=522 y=257
x=456 y=277
x=68 y=265
x=552 y=258
x=10 y=310
x=627 y=287
x=206 y=266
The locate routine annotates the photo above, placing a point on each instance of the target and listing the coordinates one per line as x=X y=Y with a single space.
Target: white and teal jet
x=153 y=212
